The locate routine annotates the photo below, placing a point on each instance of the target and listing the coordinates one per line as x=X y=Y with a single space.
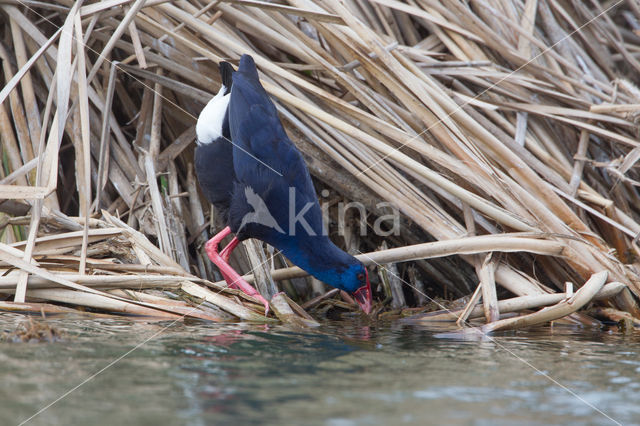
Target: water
x=347 y=373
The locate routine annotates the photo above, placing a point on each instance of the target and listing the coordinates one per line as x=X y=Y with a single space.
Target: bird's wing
x=262 y=146
x=263 y=156
x=266 y=159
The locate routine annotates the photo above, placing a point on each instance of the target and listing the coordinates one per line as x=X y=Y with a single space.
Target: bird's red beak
x=363 y=295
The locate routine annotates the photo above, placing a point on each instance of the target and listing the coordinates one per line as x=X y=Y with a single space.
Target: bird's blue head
x=355 y=280
x=322 y=259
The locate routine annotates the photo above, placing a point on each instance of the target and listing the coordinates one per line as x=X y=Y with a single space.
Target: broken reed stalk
x=468 y=118
x=514 y=304
x=489 y=296
x=581 y=297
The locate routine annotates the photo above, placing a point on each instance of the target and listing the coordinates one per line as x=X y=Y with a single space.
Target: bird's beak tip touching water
x=363 y=296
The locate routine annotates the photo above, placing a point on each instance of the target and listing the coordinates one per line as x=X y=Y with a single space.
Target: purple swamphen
x=256 y=178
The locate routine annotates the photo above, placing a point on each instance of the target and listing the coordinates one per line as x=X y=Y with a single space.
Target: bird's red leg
x=211 y=248
x=226 y=252
x=230 y=275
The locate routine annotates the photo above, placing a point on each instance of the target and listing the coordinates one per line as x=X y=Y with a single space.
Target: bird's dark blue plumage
x=272 y=197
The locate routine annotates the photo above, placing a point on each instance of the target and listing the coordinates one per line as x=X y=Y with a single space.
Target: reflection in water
x=347 y=373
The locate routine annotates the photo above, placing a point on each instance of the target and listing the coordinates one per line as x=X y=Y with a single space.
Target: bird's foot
x=249 y=290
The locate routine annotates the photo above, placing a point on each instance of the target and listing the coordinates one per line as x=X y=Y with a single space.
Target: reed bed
x=504 y=133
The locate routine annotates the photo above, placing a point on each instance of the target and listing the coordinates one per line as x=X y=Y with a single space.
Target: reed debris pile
x=491 y=144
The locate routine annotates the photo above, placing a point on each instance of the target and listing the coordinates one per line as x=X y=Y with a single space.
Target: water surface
x=345 y=373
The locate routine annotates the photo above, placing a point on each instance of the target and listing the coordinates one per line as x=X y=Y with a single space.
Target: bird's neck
x=320 y=258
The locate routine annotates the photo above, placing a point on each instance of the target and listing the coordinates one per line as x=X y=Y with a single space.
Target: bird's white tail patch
x=209 y=125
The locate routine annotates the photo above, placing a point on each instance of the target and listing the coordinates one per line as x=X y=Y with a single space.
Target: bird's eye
x=360 y=276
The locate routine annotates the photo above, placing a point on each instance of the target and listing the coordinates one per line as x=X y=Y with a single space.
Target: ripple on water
x=341 y=374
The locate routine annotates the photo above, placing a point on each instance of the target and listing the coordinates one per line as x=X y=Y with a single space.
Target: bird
x=256 y=178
